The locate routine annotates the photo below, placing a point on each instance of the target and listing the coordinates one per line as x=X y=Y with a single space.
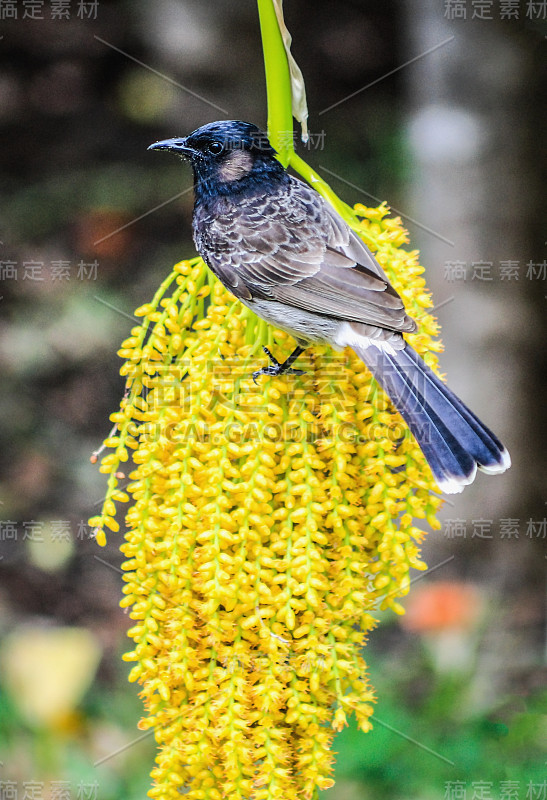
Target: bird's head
x=227 y=157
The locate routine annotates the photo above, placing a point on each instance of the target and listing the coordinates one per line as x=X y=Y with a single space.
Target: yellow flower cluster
x=267 y=523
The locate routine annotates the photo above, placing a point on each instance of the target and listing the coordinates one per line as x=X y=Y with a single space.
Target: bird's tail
x=453 y=440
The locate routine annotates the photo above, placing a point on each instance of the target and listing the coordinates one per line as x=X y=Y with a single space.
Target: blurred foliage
x=492 y=745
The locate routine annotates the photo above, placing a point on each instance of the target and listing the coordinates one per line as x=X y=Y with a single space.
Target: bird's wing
x=293 y=247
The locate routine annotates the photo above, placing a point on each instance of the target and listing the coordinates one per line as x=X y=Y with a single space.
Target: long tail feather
x=454 y=441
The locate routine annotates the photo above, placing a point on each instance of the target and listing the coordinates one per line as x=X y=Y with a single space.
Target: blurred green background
x=436 y=107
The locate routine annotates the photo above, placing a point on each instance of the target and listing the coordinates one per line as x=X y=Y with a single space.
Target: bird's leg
x=275 y=368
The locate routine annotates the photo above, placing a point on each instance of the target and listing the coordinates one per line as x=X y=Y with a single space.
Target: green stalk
x=280 y=119
x=278 y=83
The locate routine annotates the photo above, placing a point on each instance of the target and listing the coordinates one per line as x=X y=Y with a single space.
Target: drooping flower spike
x=267 y=523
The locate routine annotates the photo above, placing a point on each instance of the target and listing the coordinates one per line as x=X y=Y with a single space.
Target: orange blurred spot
x=442 y=606
x=101 y=233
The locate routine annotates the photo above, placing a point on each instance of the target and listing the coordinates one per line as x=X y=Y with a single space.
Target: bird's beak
x=177 y=146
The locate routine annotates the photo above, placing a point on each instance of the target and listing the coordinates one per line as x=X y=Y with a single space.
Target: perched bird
x=290 y=257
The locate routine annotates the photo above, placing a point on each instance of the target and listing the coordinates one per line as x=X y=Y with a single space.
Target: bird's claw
x=276 y=368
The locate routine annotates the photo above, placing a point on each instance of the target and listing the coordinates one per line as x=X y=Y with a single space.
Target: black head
x=227 y=157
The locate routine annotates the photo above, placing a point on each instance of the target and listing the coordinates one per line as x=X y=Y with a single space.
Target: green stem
x=280 y=120
x=278 y=83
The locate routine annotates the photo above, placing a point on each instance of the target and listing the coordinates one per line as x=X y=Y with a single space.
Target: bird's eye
x=215 y=148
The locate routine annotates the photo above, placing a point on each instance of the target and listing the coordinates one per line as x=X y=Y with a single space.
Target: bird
x=289 y=256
